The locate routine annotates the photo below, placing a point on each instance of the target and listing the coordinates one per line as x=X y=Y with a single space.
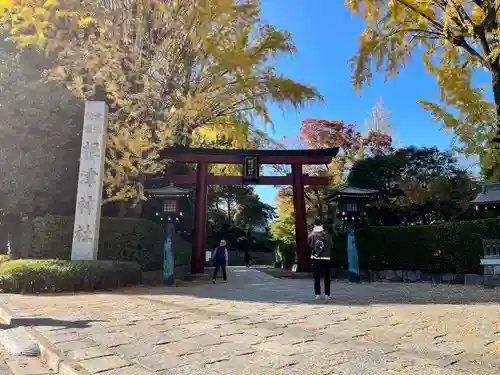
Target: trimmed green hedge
x=37 y=276
x=120 y=239
x=440 y=248
x=182 y=250
x=339 y=252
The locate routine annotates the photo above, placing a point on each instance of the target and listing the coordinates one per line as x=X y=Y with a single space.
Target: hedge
x=443 y=248
x=36 y=276
x=120 y=239
x=182 y=250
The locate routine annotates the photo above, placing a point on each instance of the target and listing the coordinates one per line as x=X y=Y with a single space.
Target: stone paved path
x=257 y=324
x=4 y=357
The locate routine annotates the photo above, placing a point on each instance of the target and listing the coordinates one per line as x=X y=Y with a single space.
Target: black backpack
x=318 y=245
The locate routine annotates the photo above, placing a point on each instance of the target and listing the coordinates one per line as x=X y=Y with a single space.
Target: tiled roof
x=490 y=193
x=353 y=192
x=168 y=191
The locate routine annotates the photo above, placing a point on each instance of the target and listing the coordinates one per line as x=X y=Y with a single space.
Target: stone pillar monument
x=90 y=182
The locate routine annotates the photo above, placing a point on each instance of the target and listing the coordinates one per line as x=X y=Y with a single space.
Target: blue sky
x=325 y=34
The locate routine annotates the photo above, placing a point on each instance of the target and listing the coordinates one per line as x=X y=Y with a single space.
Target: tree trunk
x=229 y=219
x=492 y=172
x=496 y=91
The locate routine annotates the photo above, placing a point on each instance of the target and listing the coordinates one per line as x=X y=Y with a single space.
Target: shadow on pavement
x=256 y=286
x=49 y=322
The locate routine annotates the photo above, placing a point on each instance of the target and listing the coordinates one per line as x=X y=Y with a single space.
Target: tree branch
x=461 y=42
x=414 y=9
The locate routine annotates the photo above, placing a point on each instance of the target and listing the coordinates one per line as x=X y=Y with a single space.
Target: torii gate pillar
x=300 y=218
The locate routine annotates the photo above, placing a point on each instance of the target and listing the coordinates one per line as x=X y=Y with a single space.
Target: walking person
x=320 y=244
x=220 y=259
x=247 y=258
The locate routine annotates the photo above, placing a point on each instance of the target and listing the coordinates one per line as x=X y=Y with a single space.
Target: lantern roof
x=352 y=192
x=170 y=191
x=490 y=193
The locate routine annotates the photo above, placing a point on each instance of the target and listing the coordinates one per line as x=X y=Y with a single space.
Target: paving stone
x=88 y=353
x=245 y=339
x=136 y=350
x=55 y=338
x=110 y=340
x=181 y=348
x=159 y=338
x=69 y=346
x=129 y=370
x=274 y=361
x=277 y=348
x=219 y=353
x=27 y=366
x=317 y=365
x=159 y=362
x=190 y=370
x=205 y=340
x=231 y=367
x=101 y=364
x=265 y=333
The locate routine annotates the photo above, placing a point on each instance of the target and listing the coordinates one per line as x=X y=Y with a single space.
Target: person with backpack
x=320 y=244
x=220 y=259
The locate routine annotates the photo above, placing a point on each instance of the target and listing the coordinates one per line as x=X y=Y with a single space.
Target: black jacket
x=314 y=235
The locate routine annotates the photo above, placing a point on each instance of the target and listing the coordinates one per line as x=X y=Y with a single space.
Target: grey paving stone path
x=4 y=357
x=257 y=324
x=21 y=365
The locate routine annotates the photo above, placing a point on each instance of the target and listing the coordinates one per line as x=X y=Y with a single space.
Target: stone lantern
x=170 y=197
x=352 y=204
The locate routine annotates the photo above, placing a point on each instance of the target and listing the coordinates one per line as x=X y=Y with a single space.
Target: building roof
x=490 y=193
x=169 y=191
x=351 y=191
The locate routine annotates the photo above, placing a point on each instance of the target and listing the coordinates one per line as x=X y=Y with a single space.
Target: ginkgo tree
x=167 y=69
x=455 y=39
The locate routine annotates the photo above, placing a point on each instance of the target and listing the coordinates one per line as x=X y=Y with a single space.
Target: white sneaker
x=327 y=298
x=318 y=296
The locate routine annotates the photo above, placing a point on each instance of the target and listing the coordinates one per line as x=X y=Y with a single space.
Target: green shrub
x=4 y=258
x=450 y=247
x=182 y=250
x=36 y=276
x=121 y=239
x=339 y=251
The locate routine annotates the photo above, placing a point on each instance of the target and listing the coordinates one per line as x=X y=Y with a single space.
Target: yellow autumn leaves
x=181 y=71
x=454 y=39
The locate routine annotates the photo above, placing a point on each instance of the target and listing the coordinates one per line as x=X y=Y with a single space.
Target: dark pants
x=321 y=269
x=216 y=271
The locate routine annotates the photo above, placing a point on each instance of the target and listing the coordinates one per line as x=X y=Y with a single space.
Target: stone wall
x=492 y=275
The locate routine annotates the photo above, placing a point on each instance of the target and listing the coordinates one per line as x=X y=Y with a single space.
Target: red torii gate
x=251 y=160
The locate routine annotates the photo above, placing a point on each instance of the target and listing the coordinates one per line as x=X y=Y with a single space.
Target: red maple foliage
x=318 y=133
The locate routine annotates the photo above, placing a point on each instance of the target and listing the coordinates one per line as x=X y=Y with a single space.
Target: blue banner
x=168 y=261
x=352 y=251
